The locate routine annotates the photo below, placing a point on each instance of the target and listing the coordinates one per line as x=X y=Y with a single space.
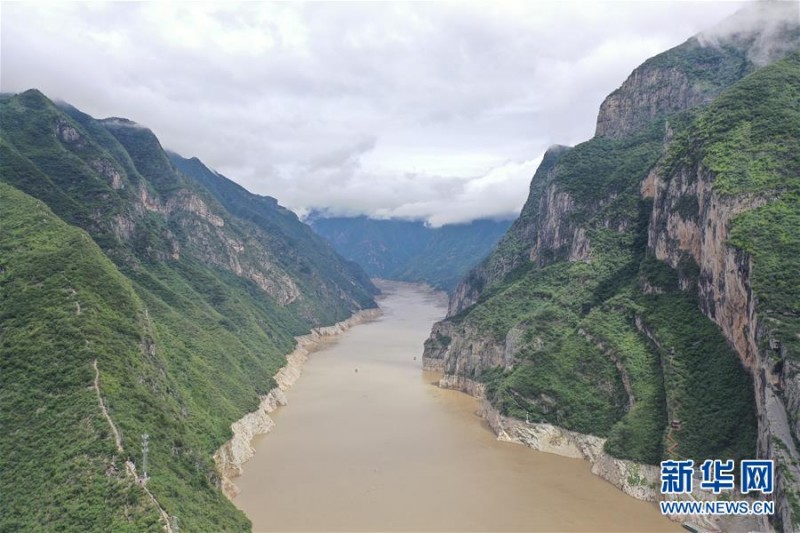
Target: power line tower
x=145 y=450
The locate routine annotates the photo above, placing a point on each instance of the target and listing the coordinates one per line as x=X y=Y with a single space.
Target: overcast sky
x=438 y=111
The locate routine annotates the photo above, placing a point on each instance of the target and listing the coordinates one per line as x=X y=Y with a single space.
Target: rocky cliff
x=513 y=248
x=694 y=73
x=646 y=294
x=697 y=204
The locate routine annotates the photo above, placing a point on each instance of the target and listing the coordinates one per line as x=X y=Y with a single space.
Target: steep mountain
x=294 y=245
x=136 y=299
x=410 y=250
x=644 y=306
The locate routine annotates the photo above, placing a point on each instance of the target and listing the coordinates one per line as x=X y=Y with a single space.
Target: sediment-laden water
x=368 y=443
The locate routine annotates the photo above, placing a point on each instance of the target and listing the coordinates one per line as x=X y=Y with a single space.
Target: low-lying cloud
x=432 y=111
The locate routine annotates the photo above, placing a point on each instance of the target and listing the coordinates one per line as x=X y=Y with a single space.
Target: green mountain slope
x=648 y=292
x=191 y=318
x=410 y=250
x=64 y=304
x=294 y=245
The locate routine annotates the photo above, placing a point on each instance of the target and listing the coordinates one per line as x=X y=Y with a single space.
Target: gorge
x=644 y=306
x=385 y=449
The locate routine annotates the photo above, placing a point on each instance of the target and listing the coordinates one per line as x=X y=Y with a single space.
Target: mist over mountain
x=644 y=305
x=411 y=250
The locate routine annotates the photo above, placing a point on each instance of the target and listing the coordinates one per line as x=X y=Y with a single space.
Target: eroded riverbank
x=382 y=448
x=233 y=454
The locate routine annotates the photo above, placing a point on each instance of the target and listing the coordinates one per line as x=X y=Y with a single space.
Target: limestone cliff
x=695 y=72
x=645 y=298
x=545 y=208
x=701 y=233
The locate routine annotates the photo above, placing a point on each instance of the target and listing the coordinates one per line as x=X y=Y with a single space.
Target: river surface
x=369 y=443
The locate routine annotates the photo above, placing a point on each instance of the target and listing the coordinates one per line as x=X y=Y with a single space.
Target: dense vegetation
x=187 y=307
x=63 y=305
x=623 y=308
x=578 y=319
x=410 y=250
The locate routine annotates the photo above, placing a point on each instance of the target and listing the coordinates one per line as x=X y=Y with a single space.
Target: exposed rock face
x=468 y=290
x=543 y=224
x=554 y=229
x=724 y=279
x=188 y=202
x=231 y=456
x=648 y=93
x=726 y=297
x=462 y=353
x=67 y=133
x=695 y=72
x=109 y=170
x=206 y=233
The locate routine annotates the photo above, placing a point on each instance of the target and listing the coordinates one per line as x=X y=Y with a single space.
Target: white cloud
x=436 y=111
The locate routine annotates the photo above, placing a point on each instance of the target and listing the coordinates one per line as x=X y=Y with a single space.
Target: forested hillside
x=119 y=270
x=409 y=250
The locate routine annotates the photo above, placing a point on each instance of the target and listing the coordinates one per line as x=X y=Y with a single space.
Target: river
x=369 y=443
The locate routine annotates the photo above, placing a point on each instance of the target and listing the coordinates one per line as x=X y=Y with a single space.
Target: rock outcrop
x=725 y=292
x=543 y=224
x=694 y=73
x=649 y=92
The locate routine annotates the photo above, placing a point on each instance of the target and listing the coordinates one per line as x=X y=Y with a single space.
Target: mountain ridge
x=408 y=250
x=187 y=308
x=626 y=303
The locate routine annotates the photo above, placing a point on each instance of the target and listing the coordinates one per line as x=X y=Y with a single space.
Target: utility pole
x=145 y=450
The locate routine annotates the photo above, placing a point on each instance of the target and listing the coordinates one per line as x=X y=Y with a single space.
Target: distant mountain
x=410 y=250
x=648 y=294
x=173 y=289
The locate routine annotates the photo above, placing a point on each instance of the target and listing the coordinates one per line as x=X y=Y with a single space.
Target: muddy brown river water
x=383 y=449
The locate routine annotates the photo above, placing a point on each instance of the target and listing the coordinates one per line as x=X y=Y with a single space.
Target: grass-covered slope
x=410 y=250
x=63 y=304
x=186 y=306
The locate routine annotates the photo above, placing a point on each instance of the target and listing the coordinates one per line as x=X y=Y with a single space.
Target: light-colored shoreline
x=638 y=480
x=233 y=454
